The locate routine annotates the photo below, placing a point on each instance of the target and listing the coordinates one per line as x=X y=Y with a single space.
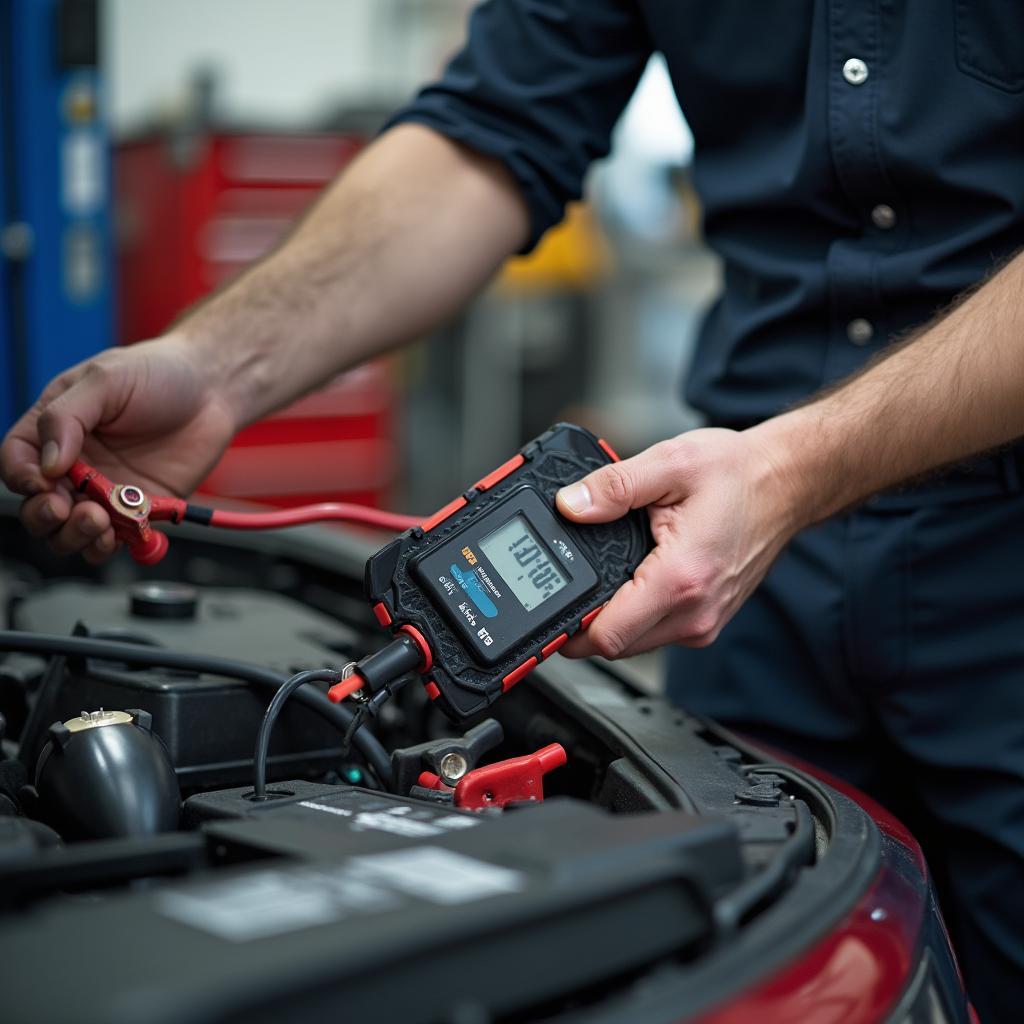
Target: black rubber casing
x=465 y=682
x=109 y=781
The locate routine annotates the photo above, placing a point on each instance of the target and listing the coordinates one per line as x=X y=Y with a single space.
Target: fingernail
x=91 y=527
x=50 y=454
x=48 y=514
x=576 y=497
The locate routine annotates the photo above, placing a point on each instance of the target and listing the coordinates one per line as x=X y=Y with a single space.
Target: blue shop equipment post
x=56 y=259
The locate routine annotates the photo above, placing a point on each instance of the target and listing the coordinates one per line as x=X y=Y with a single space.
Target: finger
x=19 y=466
x=63 y=425
x=579 y=646
x=84 y=526
x=45 y=513
x=633 y=609
x=673 y=629
x=610 y=492
x=19 y=454
x=101 y=548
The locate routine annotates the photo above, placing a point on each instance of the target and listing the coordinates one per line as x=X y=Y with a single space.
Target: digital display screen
x=525 y=565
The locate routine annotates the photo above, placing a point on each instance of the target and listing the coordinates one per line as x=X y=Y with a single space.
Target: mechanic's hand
x=146 y=414
x=721 y=510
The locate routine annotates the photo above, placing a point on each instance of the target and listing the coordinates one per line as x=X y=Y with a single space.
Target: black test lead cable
x=259 y=764
x=382 y=673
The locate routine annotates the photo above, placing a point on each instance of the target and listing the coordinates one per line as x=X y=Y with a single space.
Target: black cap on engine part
x=164 y=601
x=105 y=775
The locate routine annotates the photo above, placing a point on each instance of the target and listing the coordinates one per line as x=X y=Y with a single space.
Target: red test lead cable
x=337 y=511
x=131 y=511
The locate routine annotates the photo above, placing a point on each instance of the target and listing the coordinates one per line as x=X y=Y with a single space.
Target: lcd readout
x=525 y=565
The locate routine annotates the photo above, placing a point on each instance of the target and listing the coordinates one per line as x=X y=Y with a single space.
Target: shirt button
x=855 y=71
x=883 y=216
x=860 y=331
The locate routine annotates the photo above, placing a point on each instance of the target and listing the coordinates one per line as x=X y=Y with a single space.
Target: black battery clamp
x=496 y=581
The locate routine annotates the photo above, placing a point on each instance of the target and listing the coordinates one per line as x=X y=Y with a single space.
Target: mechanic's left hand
x=721 y=509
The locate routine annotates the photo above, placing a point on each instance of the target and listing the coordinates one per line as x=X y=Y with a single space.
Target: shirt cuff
x=544 y=209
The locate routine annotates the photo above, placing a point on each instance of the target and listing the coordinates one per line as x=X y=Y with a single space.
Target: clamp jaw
x=131 y=511
x=515 y=780
x=449 y=759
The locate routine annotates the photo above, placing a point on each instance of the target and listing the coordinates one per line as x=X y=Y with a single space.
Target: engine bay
x=427 y=873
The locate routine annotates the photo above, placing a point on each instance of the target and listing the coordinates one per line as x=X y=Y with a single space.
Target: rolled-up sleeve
x=539 y=85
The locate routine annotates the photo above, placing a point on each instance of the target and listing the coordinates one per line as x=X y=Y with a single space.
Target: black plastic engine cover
x=396 y=911
x=207 y=723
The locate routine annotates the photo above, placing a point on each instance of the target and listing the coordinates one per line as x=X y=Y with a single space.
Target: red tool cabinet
x=192 y=211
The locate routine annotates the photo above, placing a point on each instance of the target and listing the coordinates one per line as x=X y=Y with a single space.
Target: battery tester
x=497 y=580
x=476 y=595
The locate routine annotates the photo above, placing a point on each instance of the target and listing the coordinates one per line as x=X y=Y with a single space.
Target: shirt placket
x=857 y=322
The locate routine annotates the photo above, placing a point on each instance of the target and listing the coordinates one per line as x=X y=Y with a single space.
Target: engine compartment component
x=449 y=757
x=514 y=780
x=207 y=722
x=667 y=866
x=104 y=774
x=367 y=887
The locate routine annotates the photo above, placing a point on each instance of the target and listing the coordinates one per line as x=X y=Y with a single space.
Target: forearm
x=954 y=390
x=395 y=245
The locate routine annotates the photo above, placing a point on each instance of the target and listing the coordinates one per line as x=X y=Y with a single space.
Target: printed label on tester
x=471 y=584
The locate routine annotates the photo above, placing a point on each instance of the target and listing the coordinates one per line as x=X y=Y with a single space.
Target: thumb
x=64 y=424
x=611 y=491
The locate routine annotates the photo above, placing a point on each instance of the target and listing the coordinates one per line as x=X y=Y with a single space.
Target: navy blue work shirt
x=860 y=162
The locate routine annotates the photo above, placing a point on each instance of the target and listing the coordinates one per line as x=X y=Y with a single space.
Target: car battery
x=393 y=912
x=208 y=723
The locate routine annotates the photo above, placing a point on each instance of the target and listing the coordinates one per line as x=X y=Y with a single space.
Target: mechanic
x=860 y=166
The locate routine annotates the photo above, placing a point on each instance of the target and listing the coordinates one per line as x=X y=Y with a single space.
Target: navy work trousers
x=887 y=646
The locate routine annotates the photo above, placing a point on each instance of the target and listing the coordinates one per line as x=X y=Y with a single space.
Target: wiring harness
x=118 y=652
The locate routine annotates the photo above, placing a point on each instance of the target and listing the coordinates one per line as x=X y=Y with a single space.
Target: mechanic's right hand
x=147 y=414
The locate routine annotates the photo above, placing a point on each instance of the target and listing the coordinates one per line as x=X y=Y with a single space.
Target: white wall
x=279 y=61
